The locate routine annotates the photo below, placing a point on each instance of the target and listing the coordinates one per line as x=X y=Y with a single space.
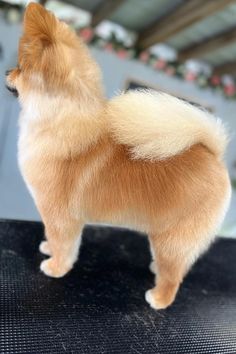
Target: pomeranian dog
x=144 y=159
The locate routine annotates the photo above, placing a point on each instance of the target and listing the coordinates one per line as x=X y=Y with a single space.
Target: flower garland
x=171 y=68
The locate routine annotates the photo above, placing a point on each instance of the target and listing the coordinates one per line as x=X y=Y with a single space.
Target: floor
x=99 y=306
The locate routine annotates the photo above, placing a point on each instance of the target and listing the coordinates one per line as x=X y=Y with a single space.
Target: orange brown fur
x=77 y=172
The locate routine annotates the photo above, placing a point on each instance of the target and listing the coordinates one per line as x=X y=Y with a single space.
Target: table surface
x=99 y=306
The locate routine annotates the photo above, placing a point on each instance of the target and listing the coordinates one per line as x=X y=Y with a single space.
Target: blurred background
x=185 y=48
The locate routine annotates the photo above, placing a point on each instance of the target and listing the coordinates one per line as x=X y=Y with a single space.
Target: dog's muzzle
x=13 y=90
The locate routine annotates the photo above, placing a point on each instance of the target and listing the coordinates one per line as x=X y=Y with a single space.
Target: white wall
x=15 y=201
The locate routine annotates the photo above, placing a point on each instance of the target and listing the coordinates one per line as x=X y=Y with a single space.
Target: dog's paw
x=44 y=248
x=152 y=267
x=53 y=269
x=155 y=301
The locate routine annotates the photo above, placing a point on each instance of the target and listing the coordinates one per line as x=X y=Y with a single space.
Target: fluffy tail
x=157 y=126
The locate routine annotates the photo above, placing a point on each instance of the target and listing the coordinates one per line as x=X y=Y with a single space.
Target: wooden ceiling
x=185 y=15
x=175 y=22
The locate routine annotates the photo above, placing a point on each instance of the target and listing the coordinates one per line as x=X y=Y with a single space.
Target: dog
x=144 y=159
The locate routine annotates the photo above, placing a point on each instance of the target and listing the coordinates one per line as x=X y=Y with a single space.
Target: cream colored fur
x=157 y=125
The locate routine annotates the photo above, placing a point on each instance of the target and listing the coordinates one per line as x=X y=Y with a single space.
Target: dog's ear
x=40 y=24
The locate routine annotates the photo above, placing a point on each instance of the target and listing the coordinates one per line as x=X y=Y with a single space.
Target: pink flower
x=122 y=53
x=86 y=34
x=230 y=89
x=190 y=76
x=215 y=80
x=144 y=56
x=160 y=64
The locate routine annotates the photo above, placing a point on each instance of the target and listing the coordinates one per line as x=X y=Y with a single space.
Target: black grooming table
x=100 y=308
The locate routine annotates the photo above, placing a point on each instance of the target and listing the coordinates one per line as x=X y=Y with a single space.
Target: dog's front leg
x=63 y=242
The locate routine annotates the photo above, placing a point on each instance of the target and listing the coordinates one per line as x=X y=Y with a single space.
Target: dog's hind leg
x=175 y=250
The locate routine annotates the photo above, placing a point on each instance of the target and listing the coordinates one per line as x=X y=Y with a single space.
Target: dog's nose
x=7 y=72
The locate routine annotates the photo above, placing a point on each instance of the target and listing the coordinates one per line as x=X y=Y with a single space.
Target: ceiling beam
x=186 y=14
x=226 y=68
x=104 y=10
x=209 y=45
